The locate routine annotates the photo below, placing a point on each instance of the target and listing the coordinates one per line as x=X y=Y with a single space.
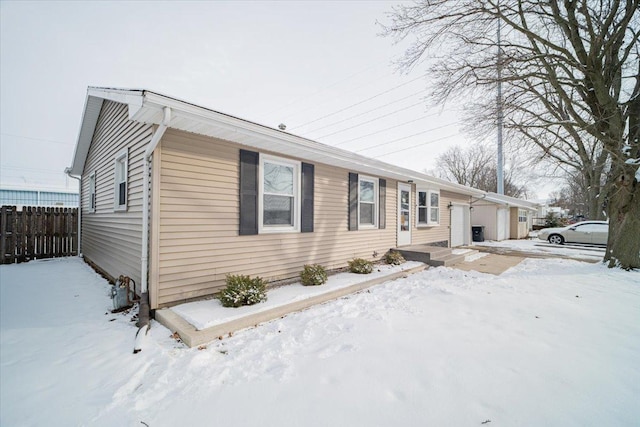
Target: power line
x=37 y=139
x=395 y=140
x=374 y=119
x=353 y=89
x=368 y=111
x=362 y=102
x=18 y=168
x=417 y=145
x=306 y=97
x=379 y=131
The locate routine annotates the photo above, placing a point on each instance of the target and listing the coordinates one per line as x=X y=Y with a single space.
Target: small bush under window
x=360 y=266
x=243 y=290
x=394 y=258
x=313 y=275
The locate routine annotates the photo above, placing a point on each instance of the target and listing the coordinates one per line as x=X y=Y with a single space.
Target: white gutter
x=144 y=285
x=79 y=178
x=143 y=313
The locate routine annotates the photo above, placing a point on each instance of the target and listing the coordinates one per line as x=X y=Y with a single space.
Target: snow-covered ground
x=550 y=342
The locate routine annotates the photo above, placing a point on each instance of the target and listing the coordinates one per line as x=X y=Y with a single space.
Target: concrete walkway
x=491 y=264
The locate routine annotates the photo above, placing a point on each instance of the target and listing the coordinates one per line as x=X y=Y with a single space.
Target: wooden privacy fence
x=37 y=232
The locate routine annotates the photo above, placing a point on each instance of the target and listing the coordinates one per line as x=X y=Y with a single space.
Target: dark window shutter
x=382 y=193
x=248 y=192
x=306 y=219
x=353 y=201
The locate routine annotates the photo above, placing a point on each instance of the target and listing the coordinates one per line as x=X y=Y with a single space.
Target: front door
x=457 y=226
x=404 y=214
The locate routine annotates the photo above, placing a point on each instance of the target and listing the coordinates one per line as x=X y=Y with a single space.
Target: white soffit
x=510 y=201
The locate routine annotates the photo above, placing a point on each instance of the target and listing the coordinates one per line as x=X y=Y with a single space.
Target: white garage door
x=457 y=225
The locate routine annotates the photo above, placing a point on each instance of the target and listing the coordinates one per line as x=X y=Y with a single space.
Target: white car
x=590 y=232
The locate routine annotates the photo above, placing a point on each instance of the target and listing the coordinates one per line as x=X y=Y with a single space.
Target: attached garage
x=502 y=217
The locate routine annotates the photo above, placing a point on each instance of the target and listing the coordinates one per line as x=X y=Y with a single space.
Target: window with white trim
x=367 y=202
x=428 y=208
x=92 y=192
x=279 y=201
x=522 y=215
x=120 y=187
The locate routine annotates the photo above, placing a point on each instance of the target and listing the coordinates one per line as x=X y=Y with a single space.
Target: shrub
x=394 y=258
x=360 y=266
x=313 y=275
x=243 y=290
x=553 y=220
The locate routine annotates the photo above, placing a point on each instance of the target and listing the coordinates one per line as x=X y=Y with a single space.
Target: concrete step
x=431 y=255
x=447 y=260
x=468 y=252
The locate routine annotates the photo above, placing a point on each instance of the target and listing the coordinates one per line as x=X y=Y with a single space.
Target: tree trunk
x=623 y=246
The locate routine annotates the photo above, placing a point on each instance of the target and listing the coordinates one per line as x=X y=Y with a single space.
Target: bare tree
x=570 y=72
x=476 y=167
x=574 y=196
x=571 y=156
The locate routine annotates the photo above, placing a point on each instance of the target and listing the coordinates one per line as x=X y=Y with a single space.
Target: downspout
x=143 y=314
x=79 y=178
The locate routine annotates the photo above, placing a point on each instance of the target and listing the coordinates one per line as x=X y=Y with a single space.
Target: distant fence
x=37 y=232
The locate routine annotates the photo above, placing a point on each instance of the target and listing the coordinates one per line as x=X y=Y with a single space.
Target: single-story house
x=503 y=217
x=176 y=196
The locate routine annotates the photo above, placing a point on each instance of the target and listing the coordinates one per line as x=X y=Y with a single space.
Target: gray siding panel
x=110 y=239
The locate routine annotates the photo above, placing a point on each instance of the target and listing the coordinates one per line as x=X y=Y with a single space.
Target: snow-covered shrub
x=394 y=258
x=313 y=275
x=360 y=266
x=243 y=290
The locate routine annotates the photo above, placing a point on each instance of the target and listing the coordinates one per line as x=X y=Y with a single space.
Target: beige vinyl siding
x=441 y=232
x=199 y=243
x=519 y=230
x=112 y=240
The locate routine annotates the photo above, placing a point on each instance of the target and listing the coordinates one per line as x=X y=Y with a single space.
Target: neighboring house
x=27 y=197
x=503 y=217
x=228 y=196
x=544 y=209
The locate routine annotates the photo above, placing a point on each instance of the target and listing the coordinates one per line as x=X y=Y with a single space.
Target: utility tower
x=500 y=168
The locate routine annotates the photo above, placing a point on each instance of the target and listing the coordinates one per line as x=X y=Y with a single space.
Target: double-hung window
x=367 y=202
x=279 y=208
x=92 y=192
x=120 y=188
x=428 y=207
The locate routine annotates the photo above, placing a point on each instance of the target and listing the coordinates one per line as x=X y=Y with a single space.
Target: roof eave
x=147 y=107
x=156 y=102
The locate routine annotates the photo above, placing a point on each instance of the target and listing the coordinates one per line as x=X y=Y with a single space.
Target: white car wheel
x=556 y=239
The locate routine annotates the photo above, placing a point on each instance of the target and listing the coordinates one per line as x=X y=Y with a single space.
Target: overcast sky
x=318 y=67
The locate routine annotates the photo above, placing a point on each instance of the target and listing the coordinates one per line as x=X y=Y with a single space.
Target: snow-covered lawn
x=550 y=342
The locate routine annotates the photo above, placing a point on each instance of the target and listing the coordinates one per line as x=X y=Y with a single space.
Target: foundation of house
x=435 y=256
